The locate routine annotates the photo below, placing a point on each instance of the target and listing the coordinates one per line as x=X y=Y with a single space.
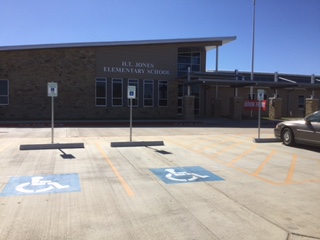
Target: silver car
x=305 y=131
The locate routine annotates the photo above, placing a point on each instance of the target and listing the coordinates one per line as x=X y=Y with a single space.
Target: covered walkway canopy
x=235 y=80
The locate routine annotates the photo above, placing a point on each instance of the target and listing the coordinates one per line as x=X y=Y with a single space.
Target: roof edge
x=224 y=40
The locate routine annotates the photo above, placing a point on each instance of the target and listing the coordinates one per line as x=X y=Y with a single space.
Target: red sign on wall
x=254 y=105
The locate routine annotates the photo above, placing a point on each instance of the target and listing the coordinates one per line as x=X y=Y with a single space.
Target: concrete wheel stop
x=266 y=140
x=51 y=146
x=137 y=144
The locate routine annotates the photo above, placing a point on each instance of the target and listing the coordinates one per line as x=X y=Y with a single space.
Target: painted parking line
x=291 y=169
x=241 y=156
x=116 y=172
x=42 y=184
x=2 y=148
x=226 y=149
x=264 y=163
x=185 y=175
x=287 y=178
x=213 y=144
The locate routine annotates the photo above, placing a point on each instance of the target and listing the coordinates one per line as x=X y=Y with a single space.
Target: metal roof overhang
x=310 y=86
x=209 y=43
x=246 y=83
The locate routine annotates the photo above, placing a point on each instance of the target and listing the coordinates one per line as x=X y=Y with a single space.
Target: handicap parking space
x=28 y=185
x=212 y=183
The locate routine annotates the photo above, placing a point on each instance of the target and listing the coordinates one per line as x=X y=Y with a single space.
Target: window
x=101 y=92
x=301 y=102
x=163 y=93
x=188 y=58
x=180 y=95
x=253 y=96
x=133 y=82
x=148 y=93
x=315 y=117
x=4 y=92
x=117 y=92
x=265 y=96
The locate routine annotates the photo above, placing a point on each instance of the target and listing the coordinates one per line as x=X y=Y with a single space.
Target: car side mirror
x=307 y=120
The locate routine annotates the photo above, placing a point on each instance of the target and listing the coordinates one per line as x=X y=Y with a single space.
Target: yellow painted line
x=258 y=177
x=291 y=170
x=120 y=178
x=196 y=151
x=213 y=144
x=226 y=149
x=5 y=146
x=307 y=181
x=261 y=167
x=241 y=156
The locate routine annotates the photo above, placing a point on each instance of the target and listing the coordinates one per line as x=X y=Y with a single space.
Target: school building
x=169 y=79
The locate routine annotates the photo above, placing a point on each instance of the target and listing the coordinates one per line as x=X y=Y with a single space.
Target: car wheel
x=287 y=137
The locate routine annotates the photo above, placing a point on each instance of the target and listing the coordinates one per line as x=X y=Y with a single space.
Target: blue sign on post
x=131 y=92
x=185 y=175
x=31 y=185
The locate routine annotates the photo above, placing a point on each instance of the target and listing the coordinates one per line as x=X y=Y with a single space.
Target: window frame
x=190 y=58
x=145 y=82
x=159 y=95
x=120 y=80
x=301 y=102
x=5 y=96
x=104 y=80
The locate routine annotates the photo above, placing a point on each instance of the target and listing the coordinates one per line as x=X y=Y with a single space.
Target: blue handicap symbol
x=185 y=175
x=42 y=184
x=131 y=93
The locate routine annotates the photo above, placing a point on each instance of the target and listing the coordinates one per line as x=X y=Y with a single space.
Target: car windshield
x=315 y=117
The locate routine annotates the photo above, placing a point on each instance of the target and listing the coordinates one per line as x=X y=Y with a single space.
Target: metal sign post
x=52 y=92
x=131 y=95
x=260 y=98
x=52 y=120
x=130 y=119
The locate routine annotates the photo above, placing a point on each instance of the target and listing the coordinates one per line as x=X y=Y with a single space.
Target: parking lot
x=205 y=182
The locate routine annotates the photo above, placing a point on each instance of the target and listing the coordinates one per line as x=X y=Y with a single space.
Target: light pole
x=253 y=35
x=252 y=57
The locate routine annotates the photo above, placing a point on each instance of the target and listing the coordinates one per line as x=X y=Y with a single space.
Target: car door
x=311 y=133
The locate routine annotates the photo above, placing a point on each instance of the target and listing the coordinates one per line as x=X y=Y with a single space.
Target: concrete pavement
x=205 y=183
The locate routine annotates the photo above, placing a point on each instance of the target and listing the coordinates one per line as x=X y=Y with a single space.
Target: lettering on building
x=136 y=68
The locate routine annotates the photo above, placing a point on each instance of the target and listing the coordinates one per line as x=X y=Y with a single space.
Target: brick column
x=236 y=108
x=312 y=105
x=275 y=108
x=188 y=107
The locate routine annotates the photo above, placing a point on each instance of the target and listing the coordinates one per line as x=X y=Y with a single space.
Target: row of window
x=149 y=94
x=146 y=95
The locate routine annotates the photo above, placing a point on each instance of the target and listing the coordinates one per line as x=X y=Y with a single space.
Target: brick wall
x=29 y=71
x=75 y=71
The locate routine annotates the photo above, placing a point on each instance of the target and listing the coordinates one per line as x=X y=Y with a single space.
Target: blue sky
x=287 y=36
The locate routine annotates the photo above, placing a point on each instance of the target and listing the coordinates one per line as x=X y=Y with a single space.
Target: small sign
x=185 y=175
x=254 y=105
x=52 y=89
x=260 y=94
x=131 y=92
